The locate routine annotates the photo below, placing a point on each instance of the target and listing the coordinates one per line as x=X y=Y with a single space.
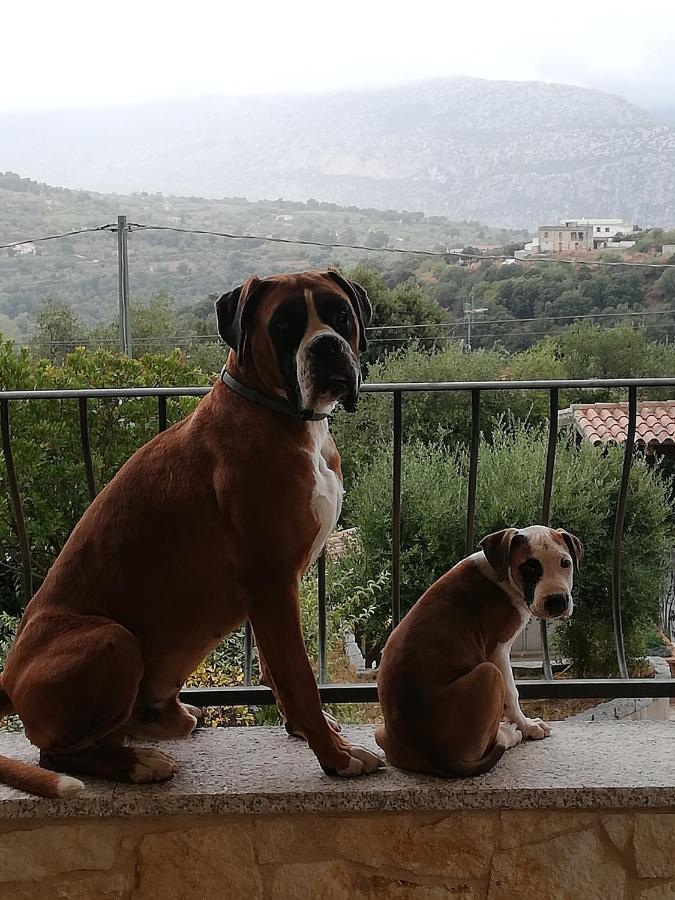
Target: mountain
x=513 y=154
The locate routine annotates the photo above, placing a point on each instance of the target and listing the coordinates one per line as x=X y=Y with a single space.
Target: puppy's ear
x=497 y=549
x=234 y=311
x=575 y=547
x=359 y=301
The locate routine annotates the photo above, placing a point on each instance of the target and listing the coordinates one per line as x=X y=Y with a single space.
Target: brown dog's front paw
x=332 y=722
x=151 y=766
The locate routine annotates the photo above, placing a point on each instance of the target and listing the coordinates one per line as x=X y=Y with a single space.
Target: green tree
x=57 y=330
x=47 y=450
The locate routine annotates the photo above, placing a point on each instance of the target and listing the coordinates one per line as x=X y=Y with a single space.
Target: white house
x=26 y=249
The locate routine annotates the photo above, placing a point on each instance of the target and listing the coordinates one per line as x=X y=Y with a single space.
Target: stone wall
x=493 y=855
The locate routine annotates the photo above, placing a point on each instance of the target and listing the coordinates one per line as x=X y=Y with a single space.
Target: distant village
x=570 y=236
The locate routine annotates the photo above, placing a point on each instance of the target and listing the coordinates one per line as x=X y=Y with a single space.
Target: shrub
x=510 y=479
x=223 y=667
x=436 y=416
x=47 y=451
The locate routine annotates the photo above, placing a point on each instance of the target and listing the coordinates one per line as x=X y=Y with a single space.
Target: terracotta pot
x=671 y=663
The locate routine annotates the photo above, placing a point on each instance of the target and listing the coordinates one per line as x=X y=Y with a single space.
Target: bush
x=223 y=668
x=442 y=416
x=510 y=479
x=47 y=450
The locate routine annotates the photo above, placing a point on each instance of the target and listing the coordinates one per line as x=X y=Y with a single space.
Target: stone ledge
x=259 y=771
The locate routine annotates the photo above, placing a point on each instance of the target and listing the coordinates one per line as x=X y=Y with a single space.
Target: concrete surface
x=618 y=765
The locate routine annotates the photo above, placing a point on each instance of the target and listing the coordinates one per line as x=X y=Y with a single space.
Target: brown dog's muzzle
x=334 y=370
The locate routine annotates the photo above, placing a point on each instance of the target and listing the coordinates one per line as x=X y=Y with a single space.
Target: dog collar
x=263 y=400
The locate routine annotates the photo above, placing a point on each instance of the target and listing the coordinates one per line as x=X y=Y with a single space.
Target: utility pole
x=123 y=285
x=470 y=313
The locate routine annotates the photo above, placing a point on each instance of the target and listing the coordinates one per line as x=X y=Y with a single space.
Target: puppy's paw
x=151 y=766
x=361 y=762
x=534 y=729
x=509 y=734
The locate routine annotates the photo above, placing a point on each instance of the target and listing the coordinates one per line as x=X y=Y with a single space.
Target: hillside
x=507 y=153
x=82 y=270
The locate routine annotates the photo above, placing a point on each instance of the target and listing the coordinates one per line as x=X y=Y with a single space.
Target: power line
x=661 y=312
x=438 y=254
x=55 y=237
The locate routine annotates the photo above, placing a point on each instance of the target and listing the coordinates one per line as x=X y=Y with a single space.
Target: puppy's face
x=302 y=334
x=539 y=563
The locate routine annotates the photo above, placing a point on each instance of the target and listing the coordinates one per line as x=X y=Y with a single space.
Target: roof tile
x=604 y=423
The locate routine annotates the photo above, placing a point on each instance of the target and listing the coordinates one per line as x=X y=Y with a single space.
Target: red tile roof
x=605 y=423
x=340 y=542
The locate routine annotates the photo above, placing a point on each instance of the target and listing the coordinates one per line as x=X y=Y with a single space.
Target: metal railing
x=548 y=687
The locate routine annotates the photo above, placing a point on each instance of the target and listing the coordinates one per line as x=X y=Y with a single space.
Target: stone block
x=566 y=867
x=205 y=863
x=108 y=886
x=654 y=842
x=458 y=846
x=331 y=880
x=275 y=838
x=381 y=887
x=657 y=892
x=53 y=849
x=619 y=828
x=531 y=825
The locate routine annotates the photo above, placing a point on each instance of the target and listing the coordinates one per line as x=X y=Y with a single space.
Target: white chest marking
x=327 y=492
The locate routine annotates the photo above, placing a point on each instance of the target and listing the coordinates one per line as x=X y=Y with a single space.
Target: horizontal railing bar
x=530 y=689
x=388 y=387
x=106 y=393
x=516 y=385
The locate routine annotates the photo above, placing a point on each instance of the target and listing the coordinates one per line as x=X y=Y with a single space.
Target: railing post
x=470 y=532
x=321 y=586
x=86 y=448
x=248 y=653
x=619 y=520
x=546 y=510
x=17 y=505
x=396 y=512
x=162 y=418
x=123 y=285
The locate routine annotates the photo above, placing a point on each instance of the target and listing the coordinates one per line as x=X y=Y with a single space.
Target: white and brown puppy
x=449 y=700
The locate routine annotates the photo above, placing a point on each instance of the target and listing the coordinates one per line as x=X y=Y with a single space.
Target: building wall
x=548 y=854
x=564 y=238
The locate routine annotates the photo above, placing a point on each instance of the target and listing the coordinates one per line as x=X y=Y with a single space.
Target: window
x=597 y=228
x=607 y=230
x=546 y=234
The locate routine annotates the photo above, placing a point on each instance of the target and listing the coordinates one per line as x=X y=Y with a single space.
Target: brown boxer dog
x=212 y=522
x=449 y=700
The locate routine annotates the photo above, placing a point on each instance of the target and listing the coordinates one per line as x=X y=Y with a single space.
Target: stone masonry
x=589 y=813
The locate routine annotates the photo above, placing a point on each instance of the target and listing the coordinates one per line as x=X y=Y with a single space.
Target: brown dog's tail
x=33 y=779
x=450 y=768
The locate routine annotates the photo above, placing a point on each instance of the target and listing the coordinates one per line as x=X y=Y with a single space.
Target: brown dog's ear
x=360 y=303
x=574 y=545
x=497 y=549
x=234 y=311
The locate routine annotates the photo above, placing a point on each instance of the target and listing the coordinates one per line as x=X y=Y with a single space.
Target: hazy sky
x=79 y=53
